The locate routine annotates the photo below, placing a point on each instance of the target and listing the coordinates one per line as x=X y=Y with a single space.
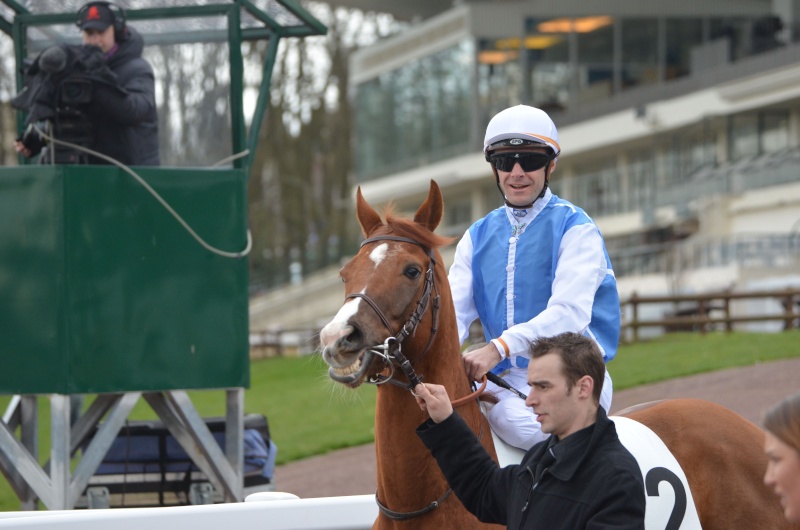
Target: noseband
x=390 y=350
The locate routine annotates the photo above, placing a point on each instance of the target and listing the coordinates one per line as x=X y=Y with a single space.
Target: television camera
x=59 y=88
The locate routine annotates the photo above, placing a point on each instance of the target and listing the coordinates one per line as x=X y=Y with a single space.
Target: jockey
x=535 y=267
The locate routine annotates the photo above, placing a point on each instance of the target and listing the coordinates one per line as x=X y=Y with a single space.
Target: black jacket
x=125 y=122
x=593 y=483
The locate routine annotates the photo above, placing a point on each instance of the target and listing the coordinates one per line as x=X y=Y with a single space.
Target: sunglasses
x=527 y=161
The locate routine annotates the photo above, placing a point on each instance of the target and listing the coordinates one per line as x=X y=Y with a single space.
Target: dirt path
x=748 y=391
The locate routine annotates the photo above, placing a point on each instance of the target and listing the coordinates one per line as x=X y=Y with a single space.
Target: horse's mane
x=405 y=227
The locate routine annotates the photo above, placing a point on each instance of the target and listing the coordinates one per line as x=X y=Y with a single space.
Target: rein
x=391 y=352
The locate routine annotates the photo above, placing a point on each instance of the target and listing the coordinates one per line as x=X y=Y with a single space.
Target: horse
x=397 y=284
x=397 y=326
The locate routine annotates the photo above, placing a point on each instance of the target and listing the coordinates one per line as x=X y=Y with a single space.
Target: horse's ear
x=429 y=214
x=367 y=216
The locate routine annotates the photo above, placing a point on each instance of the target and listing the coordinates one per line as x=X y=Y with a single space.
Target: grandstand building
x=679 y=124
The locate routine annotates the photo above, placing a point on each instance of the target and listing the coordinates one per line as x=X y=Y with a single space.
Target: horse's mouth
x=353 y=374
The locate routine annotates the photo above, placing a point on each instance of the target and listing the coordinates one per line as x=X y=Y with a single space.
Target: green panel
x=31 y=280
x=120 y=296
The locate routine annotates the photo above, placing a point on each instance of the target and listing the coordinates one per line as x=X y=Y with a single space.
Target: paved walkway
x=748 y=391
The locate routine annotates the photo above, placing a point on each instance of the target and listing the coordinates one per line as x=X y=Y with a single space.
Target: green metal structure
x=102 y=290
x=130 y=288
x=109 y=292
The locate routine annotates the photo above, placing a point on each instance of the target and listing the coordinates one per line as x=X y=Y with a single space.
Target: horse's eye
x=412 y=272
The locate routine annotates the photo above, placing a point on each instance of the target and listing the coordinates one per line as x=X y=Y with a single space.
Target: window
x=691 y=151
x=639 y=51
x=642 y=180
x=743 y=136
x=547 y=63
x=774 y=131
x=413 y=112
x=597 y=188
x=596 y=60
x=682 y=35
x=499 y=78
x=756 y=133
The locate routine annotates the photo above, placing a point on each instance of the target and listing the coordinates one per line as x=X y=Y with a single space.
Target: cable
x=231 y=158
x=154 y=193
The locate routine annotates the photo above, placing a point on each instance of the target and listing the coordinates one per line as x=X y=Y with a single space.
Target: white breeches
x=516 y=423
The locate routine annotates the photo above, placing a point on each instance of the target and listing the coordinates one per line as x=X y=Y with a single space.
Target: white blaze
x=338 y=326
x=379 y=253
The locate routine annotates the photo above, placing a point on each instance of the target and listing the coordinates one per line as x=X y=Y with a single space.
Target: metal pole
x=59 y=451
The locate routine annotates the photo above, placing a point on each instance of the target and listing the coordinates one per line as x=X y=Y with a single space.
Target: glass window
x=736 y=31
x=766 y=34
x=552 y=45
x=682 y=36
x=691 y=151
x=405 y=116
x=774 y=130
x=755 y=133
x=596 y=188
x=743 y=136
x=595 y=44
x=458 y=213
x=547 y=64
x=499 y=77
x=642 y=180
x=639 y=51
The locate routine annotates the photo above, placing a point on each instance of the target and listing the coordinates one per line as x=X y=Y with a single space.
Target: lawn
x=309 y=415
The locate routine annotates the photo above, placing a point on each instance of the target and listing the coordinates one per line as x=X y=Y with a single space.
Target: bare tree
x=301 y=210
x=8 y=125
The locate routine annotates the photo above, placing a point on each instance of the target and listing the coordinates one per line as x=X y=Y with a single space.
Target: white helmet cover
x=523 y=122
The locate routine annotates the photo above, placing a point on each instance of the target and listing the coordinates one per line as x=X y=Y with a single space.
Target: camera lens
x=76 y=91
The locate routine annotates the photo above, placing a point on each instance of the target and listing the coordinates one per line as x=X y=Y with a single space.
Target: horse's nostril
x=355 y=338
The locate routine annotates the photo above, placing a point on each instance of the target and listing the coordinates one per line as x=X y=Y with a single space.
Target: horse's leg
x=723 y=458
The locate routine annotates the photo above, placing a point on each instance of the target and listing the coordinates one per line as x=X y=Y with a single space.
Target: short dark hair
x=783 y=421
x=580 y=356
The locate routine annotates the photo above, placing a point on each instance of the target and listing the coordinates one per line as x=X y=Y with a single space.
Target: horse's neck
x=405 y=466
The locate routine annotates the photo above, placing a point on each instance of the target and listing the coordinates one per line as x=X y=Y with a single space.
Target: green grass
x=683 y=354
x=309 y=415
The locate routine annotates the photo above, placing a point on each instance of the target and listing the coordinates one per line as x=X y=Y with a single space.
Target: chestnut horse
x=398 y=325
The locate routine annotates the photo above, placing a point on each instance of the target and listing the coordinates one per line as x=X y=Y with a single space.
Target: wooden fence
x=701 y=312
x=707 y=311
x=282 y=342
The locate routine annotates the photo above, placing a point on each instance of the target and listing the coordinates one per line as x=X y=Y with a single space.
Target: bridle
x=390 y=350
x=392 y=354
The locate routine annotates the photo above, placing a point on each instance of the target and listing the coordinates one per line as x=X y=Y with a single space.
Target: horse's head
x=390 y=286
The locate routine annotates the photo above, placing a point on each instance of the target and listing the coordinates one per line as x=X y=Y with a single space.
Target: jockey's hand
x=434 y=400
x=479 y=361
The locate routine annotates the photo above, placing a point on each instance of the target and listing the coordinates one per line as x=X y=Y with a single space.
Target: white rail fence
x=265 y=511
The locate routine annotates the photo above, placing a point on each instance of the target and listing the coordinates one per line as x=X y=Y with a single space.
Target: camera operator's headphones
x=120 y=19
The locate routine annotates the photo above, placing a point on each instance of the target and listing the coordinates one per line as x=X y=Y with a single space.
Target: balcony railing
x=748 y=251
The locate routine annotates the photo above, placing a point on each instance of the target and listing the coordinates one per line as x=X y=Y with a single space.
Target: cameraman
x=122 y=116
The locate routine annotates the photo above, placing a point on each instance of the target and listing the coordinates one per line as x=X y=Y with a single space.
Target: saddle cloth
x=670 y=504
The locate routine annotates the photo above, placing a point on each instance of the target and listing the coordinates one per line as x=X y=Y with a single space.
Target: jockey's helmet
x=518 y=128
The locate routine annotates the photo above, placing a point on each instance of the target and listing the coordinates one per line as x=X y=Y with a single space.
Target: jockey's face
x=783 y=475
x=561 y=409
x=523 y=187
